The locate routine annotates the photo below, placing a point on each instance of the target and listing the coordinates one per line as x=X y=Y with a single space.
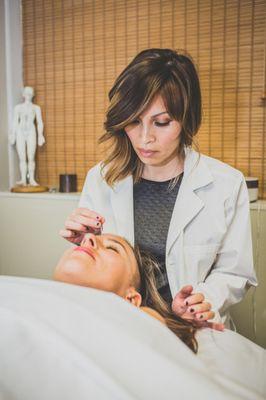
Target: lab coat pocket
x=199 y=260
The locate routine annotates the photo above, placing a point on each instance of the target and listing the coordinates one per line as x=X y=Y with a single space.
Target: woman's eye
x=157 y=123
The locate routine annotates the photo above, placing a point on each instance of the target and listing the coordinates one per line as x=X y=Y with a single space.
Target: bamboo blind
x=74 y=49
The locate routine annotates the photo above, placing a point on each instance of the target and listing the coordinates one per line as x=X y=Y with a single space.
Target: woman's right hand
x=80 y=222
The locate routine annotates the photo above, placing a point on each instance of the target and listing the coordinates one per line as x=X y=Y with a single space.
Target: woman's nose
x=146 y=135
x=89 y=240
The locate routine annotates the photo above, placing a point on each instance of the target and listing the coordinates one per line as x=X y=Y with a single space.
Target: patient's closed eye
x=112 y=248
x=114 y=245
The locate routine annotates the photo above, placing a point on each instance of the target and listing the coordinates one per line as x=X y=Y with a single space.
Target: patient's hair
x=148 y=267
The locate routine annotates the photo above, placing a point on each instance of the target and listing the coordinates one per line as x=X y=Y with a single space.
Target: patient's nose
x=89 y=240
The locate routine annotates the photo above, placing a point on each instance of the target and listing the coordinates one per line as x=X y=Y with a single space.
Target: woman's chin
x=149 y=161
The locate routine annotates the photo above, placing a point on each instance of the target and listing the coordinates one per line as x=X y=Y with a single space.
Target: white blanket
x=59 y=341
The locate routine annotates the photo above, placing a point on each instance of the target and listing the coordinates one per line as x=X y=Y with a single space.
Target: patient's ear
x=133 y=297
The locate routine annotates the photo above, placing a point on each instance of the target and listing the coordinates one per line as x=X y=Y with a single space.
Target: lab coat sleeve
x=233 y=272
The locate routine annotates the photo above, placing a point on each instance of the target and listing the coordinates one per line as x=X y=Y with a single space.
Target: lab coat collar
x=187 y=206
x=196 y=171
x=123 y=208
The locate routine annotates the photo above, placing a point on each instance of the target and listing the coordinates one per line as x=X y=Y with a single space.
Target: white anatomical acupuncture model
x=24 y=135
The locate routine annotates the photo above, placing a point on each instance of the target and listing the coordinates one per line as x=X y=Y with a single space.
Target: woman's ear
x=133 y=297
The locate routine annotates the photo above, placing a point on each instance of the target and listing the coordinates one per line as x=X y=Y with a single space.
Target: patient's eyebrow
x=118 y=242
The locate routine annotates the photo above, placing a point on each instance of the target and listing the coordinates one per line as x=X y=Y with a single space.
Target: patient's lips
x=86 y=250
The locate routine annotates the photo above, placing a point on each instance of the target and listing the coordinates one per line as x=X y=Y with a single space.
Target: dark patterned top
x=153 y=207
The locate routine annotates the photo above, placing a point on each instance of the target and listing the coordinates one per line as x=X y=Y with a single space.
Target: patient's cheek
x=64 y=257
x=68 y=269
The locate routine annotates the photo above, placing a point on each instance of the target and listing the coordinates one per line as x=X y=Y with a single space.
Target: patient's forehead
x=122 y=240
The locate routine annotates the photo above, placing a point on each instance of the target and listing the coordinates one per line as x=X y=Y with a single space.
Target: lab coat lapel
x=188 y=204
x=122 y=204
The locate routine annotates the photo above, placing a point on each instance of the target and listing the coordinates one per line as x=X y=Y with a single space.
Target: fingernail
x=98 y=224
x=186 y=303
x=191 y=310
x=97 y=217
x=201 y=316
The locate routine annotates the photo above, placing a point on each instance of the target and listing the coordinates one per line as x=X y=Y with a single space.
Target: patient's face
x=104 y=262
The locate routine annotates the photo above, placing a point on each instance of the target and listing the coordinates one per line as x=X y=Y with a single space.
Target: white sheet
x=235 y=357
x=59 y=341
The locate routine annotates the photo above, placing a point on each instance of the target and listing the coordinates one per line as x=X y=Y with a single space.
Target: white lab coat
x=209 y=239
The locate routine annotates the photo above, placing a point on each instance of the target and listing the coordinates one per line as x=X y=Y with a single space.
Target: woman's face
x=104 y=262
x=155 y=135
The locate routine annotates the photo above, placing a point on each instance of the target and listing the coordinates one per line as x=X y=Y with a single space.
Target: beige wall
x=30 y=246
x=29 y=241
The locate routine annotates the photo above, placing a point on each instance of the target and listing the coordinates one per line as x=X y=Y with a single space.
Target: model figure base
x=29 y=189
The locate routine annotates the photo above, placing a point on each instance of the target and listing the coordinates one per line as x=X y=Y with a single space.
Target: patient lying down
x=108 y=262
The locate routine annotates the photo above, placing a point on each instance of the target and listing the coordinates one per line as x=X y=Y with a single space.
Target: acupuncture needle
x=99 y=231
x=95 y=231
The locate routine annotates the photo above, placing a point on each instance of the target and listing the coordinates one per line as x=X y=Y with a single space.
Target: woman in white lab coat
x=190 y=211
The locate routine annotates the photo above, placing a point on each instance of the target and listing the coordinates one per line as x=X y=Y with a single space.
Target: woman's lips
x=85 y=250
x=146 y=153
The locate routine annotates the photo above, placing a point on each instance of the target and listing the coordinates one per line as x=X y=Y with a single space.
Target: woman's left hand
x=192 y=306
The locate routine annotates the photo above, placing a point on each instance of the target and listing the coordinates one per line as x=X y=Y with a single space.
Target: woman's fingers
x=185 y=292
x=199 y=308
x=212 y=325
x=178 y=304
x=215 y=325
x=204 y=316
x=199 y=312
x=193 y=307
x=71 y=236
x=80 y=223
x=75 y=226
x=66 y=233
x=85 y=212
x=82 y=218
x=202 y=310
x=194 y=299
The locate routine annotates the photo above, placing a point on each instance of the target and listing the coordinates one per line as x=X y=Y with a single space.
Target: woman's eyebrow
x=157 y=115
x=118 y=242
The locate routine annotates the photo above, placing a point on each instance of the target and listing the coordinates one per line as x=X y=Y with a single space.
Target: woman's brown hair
x=183 y=329
x=164 y=72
